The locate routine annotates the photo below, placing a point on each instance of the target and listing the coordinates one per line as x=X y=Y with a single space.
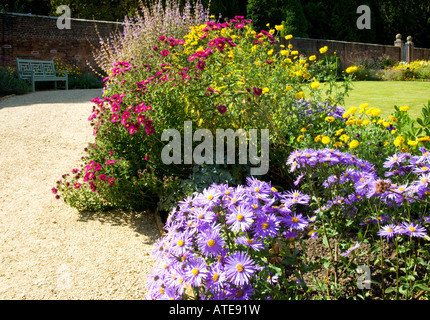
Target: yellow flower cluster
x=71 y=70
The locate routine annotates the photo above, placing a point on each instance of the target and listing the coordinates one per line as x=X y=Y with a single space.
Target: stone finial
x=398 y=36
x=409 y=39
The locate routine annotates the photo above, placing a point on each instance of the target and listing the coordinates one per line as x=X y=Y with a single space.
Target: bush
x=222 y=75
x=10 y=83
x=402 y=71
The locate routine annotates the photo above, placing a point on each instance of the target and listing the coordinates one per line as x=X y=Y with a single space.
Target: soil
x=48 y=250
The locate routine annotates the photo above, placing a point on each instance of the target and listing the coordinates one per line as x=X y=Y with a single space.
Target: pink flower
x=222 y=109
x=162 y=38
x=54 y=190
x=204 y=36
x=257 y=91
x=111 y=181
x=165 y=53
x=200 y=65
x=115 y=118
x=110 y=161
x=103 y=177
x=149 y=130
x=238 y=25
x=77 y=185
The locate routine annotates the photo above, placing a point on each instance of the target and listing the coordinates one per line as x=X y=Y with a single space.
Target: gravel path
x=48 y=250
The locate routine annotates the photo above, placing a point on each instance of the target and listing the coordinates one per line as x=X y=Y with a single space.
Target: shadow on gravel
x=50 y=96
x=142 y=222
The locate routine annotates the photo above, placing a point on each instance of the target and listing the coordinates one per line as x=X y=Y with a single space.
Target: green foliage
x=10 y=82
x=295 y=22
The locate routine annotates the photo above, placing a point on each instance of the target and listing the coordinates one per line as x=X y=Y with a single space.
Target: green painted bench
x=36 y=70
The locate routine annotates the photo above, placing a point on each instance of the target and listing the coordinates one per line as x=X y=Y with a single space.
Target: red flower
x=200 y=65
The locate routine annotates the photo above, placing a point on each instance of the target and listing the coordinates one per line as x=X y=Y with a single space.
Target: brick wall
x=37 y=37
x=352 y=52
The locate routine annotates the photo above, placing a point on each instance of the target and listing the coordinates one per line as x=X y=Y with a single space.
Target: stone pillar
x=410 y=49
x=399 y=43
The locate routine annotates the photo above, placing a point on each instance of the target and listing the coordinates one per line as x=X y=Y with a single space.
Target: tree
x=295 y=22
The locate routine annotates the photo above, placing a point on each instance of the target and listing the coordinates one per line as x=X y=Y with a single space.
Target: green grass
x=386 y=94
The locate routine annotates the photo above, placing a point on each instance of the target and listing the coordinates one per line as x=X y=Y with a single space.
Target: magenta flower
x=162 y=38
x=200 y=65
x=54 y=190
x=77 y=185
x=165 y=53
x=257 y=91
x=103 y=177
x=111 y=181
x=222 y=109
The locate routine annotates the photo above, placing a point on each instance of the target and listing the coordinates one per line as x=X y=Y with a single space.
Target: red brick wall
x=38 y=38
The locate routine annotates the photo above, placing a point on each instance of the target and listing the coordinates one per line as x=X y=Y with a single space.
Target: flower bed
x=354 y=181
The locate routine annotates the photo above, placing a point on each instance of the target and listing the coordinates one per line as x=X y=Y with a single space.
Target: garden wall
x=352 y=52
x=39 y=38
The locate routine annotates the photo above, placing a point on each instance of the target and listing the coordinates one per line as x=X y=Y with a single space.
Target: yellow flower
x=329 y=119
x=323 y=49
x=344 y=138
x=376 y=112
x=369 y=111
x=351 y=69
x=285 y=52
x=386 y=124
x=352 y=110
x=266 y=90
x=279 y=27
x=299 y=138
x=325 y=140
x=412 y=143
x=270 y=52
x=318 y=138
x=366 y=122
x=404 y=108
x=288 y=88
x=290 y=46
x=339 y=132
x=364 y=106
x=398 y=141
x=392 y=118
x=299 y=95
x=426 y=138
x=354 y=144
x=294 y=53
x=312 y=58
x=303 y=129
x=288 y=37
x=315 y=85
x=338 y=144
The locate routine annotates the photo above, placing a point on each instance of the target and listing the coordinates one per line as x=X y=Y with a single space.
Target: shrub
x=219 y=76
x=402 y=71
x=10 y=83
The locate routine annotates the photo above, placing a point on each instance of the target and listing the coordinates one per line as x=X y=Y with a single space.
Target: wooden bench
x=35 y=70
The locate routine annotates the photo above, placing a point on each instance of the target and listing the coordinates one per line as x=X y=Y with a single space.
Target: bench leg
x=33 y=85
x=55 y=85
x=67 y=84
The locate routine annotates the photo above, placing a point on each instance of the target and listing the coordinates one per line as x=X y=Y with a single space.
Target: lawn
x=386 y=94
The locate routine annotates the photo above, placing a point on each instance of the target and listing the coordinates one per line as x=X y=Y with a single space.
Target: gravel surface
x=48 y=250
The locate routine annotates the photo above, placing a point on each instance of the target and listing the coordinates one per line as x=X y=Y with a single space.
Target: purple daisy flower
x=295 y=221
x=240 y=218
x=414 y=230
x=239 y=268
x=252 y=243
x=196 y=272
x=210 y=242
x=347 y=252
x=388 y=231
x=266 y=225
x=216 y=277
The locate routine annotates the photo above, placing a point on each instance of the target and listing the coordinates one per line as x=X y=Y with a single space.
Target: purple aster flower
x=216 y=277
x=295 y=197
x=196 y=272
x=295 y=221
x=239 y=268
x=414 y=230
x=240 y=293
x=250 y=242
x=210 y=241
x=181 y=243
x=347 y=252
x=240 y=218
x=388 y=231
x=290 y=235
x=266 y=225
